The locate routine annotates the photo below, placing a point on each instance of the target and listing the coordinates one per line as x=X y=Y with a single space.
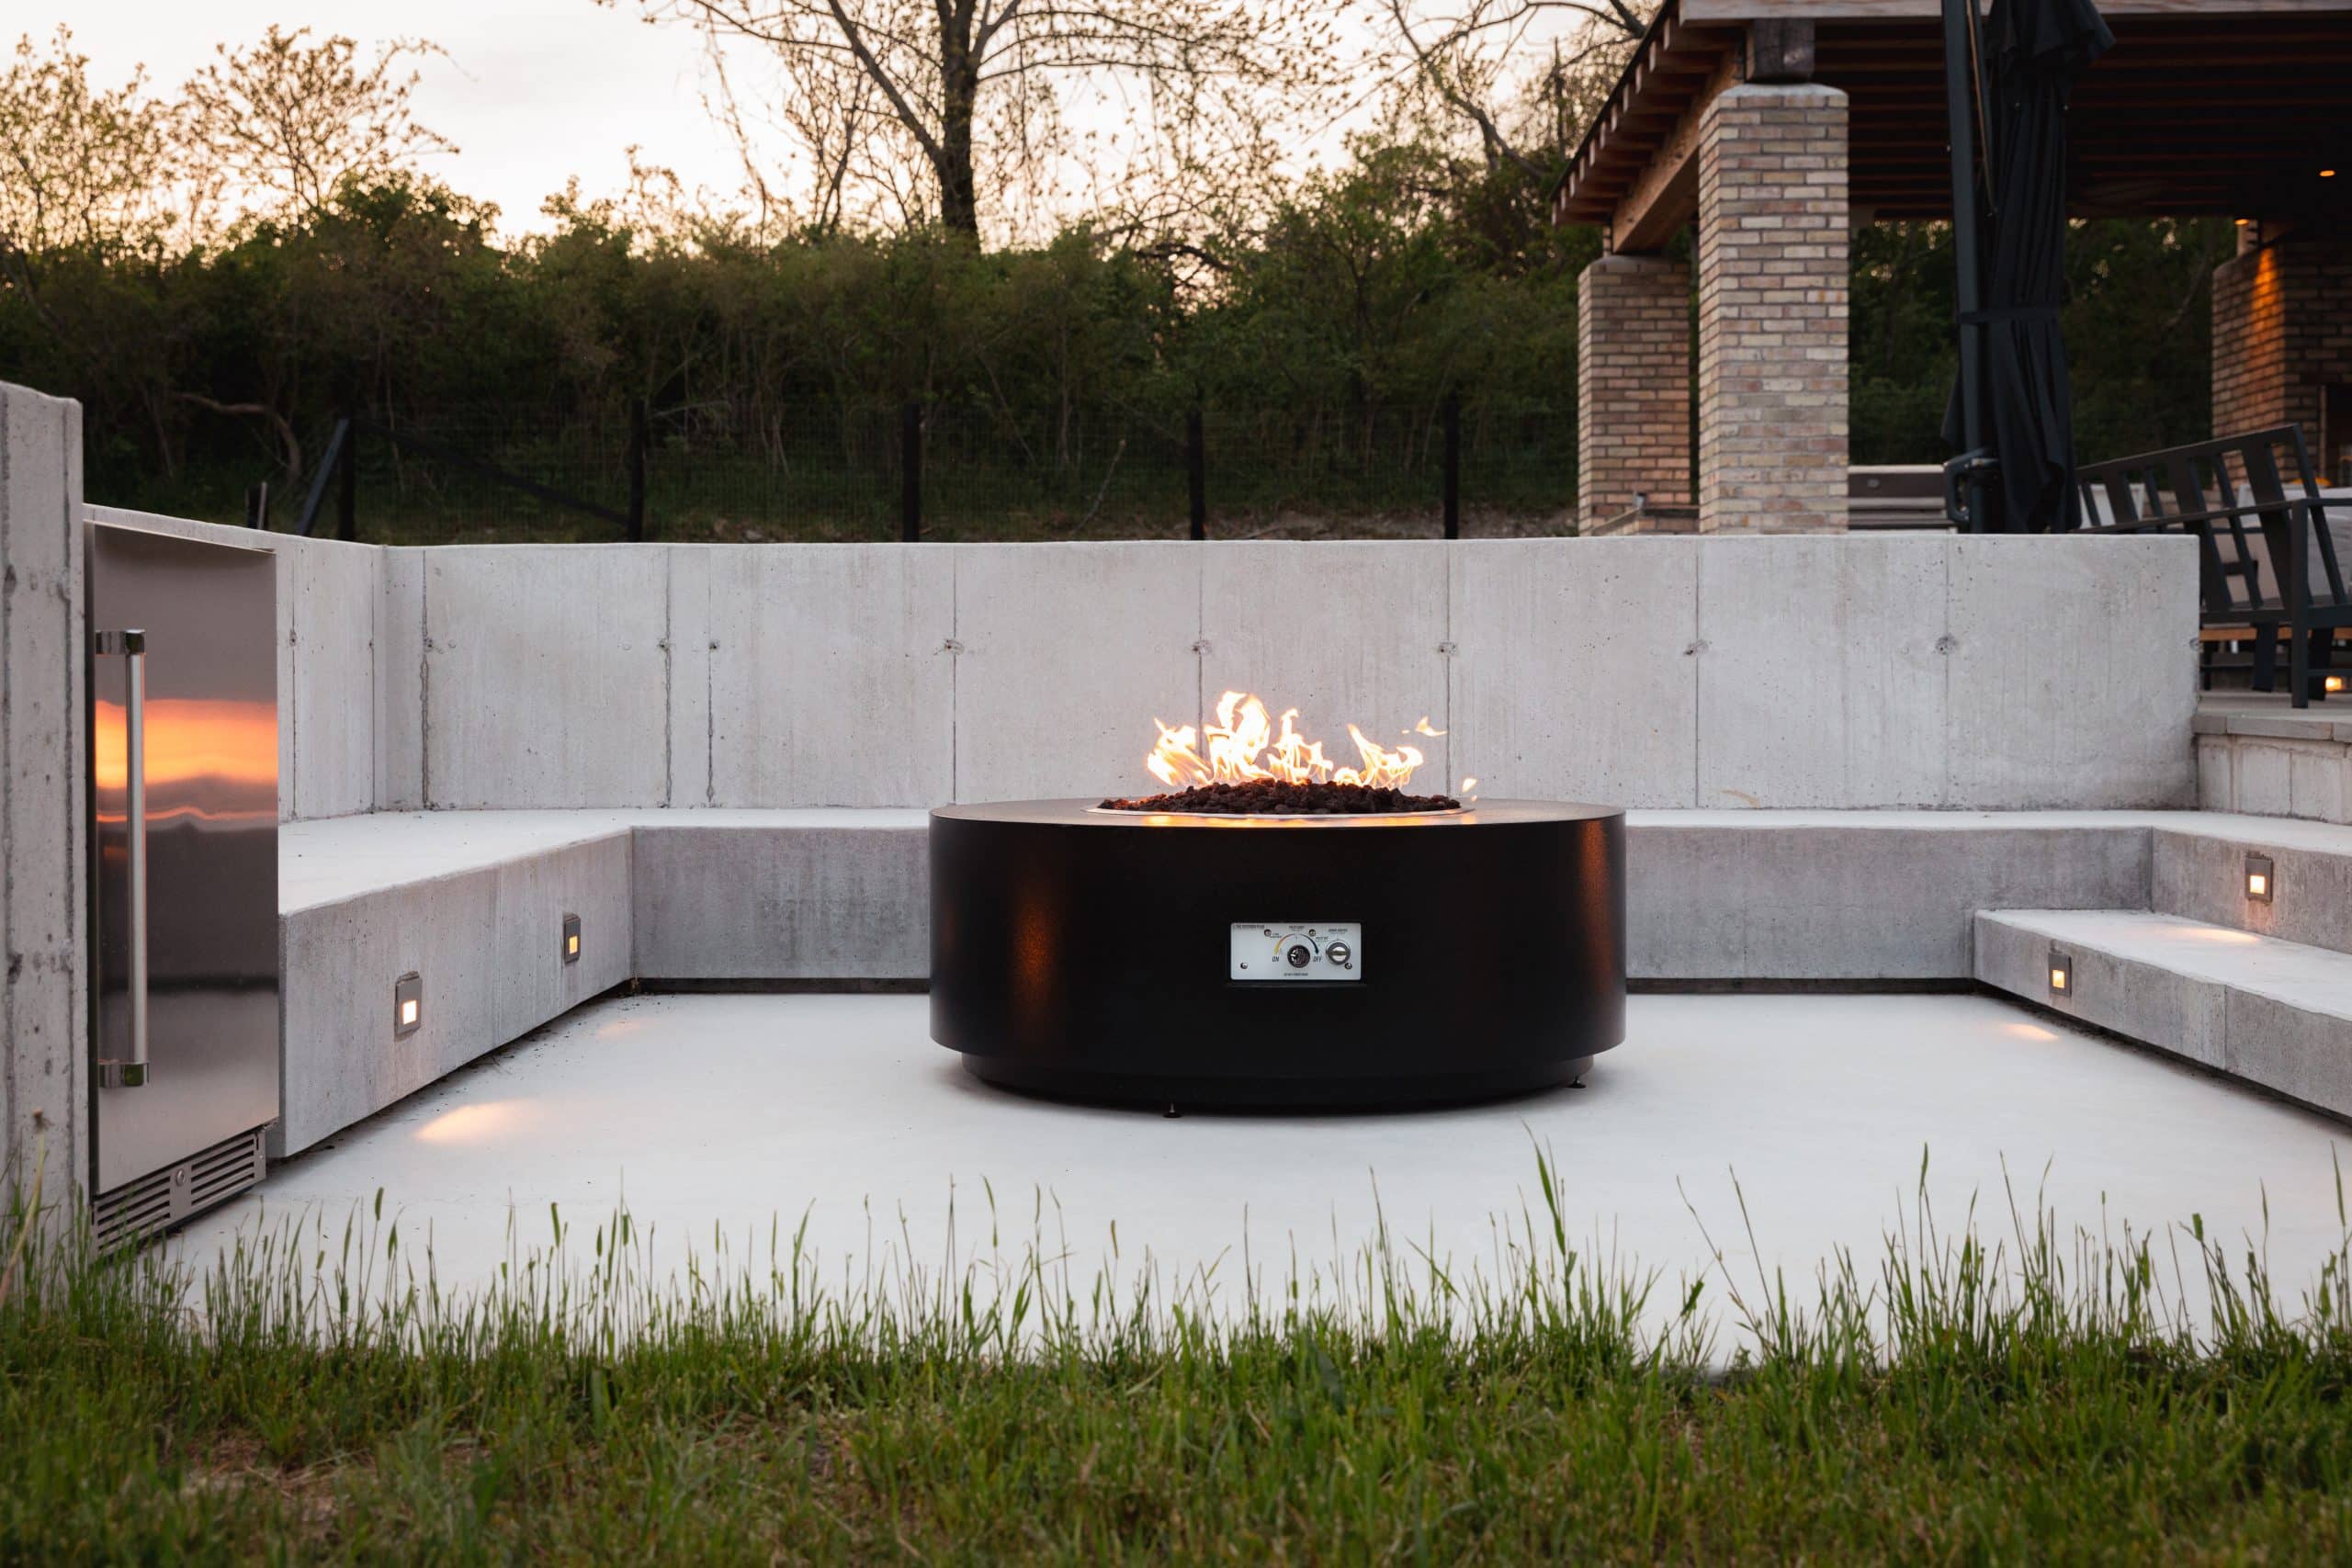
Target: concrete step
x=2198 y=870
x=2273 y=1012
x=2262 y=757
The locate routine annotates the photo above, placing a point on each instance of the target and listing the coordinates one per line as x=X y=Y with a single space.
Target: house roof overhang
x=2228 y=108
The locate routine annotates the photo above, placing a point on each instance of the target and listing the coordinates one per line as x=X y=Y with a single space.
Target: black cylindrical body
x=1088 y=952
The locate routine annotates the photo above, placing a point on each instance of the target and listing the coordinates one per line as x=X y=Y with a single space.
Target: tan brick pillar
x=1632 y=386
x=1773 y=288
x=2282 y=339
x=2249 y=341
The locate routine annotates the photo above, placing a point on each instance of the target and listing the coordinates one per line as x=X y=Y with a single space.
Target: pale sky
x=534 y=91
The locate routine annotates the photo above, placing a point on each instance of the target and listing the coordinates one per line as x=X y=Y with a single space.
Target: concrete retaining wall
x=1861 y=671
x=44 y=1019
x=1864 y=671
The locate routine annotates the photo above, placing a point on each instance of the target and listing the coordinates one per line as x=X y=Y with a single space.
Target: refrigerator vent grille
x=139 y=1209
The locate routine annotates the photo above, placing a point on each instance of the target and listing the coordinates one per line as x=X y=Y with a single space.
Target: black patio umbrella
x=2027 y=56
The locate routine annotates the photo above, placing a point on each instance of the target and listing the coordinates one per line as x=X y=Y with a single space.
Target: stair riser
x=2179 y=1013
x=2261 y=776
x=2305 y=1056
x=2294 y=1051
x=1722 y=901
x=2202 y=878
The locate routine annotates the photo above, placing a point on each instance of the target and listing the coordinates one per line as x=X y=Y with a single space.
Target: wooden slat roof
x=2227 y=108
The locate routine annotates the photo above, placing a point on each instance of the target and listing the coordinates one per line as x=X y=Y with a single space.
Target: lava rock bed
x=1272 y=798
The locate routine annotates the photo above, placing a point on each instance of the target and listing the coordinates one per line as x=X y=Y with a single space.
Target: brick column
x=1632 y=386
x=2282 y=337
x=1772 y=286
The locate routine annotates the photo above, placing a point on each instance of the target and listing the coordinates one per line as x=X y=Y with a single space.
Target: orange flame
x=1244 y=745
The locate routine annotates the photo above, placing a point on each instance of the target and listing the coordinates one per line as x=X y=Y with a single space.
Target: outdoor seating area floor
x=740 y=1115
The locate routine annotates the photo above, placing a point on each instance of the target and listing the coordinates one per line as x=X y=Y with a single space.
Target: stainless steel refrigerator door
x=210 y=615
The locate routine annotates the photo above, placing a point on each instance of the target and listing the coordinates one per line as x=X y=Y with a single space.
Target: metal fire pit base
x=1155 y=959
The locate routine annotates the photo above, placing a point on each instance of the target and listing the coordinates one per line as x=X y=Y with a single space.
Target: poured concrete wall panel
x=693 y=673
x=1820 y=678
x=331 y=627
x=2073 y=678
x=1575 y=675
x=1067 y=653
x=400 y=683
x=547 y=679
x=1346 y=633
x=832 y=683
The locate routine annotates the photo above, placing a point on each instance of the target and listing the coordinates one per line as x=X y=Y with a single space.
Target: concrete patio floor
x=727 y=1113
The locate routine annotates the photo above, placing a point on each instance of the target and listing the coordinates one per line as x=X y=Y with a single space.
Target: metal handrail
x=131 y=1071
x=2282 y=501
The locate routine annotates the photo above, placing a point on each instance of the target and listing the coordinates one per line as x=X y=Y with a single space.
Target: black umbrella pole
x=1960 y=104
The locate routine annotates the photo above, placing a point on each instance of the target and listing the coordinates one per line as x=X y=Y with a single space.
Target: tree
x=974 y=88
x=1468 y=57
x=284 y=122
x=833 y=116
x=84 y=166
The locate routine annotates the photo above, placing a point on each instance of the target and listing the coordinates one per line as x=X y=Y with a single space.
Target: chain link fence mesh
x=814 y=472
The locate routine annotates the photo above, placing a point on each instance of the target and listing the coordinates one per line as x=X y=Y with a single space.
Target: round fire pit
x=1277 y=962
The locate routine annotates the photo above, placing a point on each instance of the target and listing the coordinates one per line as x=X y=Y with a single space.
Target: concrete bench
x=473 y=902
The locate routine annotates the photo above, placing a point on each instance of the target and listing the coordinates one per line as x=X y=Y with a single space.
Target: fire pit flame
x=1244 y=747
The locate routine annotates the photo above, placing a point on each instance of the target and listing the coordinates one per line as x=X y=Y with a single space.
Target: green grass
x=2038 y=1395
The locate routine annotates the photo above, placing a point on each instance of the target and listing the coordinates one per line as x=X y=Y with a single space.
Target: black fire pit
x=1277 y=962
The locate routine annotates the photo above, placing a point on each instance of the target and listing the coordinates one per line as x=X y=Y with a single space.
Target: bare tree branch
x=290 y=444
x=978 y=87
x=1469 y=58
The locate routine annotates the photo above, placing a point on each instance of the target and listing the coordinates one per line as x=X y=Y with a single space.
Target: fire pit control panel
x=1285 y=949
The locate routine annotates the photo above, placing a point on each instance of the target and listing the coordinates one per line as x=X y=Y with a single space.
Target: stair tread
x=2317 y=979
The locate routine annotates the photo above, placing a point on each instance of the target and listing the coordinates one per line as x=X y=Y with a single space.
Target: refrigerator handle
x=132 y=1072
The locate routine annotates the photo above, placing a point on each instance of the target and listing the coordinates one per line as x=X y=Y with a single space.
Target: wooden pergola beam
x=1660 y=194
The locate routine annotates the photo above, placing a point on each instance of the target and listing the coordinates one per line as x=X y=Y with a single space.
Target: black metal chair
x=2268 y=571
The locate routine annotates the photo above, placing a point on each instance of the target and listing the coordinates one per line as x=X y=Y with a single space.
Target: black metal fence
x=935 y=471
